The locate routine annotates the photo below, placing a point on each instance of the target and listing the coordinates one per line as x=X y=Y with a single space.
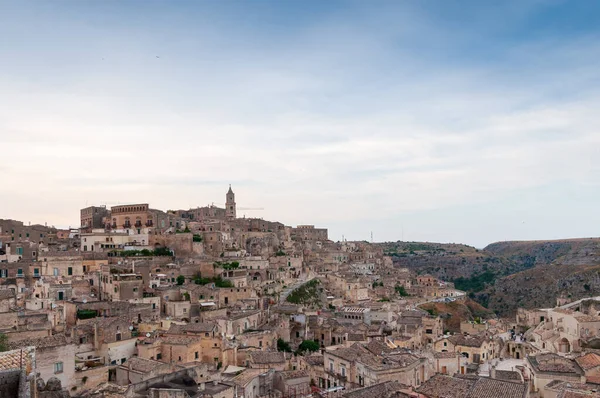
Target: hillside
x=570 y=268
x=456 y=312
x=507 y=275
x=469 y=268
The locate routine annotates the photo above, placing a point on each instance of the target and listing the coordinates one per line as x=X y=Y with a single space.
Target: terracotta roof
x=509 y=375
x=267 y=357
x=314 y=360
x=180 y=340
x=192 y=328
x=293 y=374
x=552 y=363
x=387 y=389
x=41 y=342
x=493 y=388
x=440 y=386
x=17 y=359
x=588 y=361
x=247 y=376
x=142 y=365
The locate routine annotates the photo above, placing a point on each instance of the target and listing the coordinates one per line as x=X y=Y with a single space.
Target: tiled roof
x=247 y=376
x=387 y=389
x=192 y=328
x=588 y=361
x=508 y=375
x=16 y=359
x=440 y=386
x=142 y=365
x=180 y=340
x=41 y=342
x=314 y=360
x=553 y=363
x=266 y=357
x=493 y=388
x=293 y=374
x=577 y=394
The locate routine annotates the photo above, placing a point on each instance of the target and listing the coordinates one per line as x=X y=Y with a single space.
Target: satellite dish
x=130 y=327
x=84 y=301
x=147 y=334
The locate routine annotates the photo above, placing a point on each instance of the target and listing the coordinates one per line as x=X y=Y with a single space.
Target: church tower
x=230 y=204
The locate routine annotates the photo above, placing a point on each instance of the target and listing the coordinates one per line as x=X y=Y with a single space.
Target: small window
x=70 y=271
x=196 y=355
x=58 y=367
x=158 y=356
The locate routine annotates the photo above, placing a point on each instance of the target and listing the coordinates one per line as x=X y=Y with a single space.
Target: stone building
x=93 y=217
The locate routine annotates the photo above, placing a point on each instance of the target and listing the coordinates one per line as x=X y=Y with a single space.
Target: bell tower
x=230 y=204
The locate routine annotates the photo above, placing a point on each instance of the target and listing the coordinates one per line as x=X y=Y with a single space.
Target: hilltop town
x=140 y=302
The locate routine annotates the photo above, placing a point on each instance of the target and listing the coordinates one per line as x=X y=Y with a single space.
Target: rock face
x=507 y=275
x=51 y=389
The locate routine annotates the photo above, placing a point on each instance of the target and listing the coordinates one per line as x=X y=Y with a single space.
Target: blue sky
x=452 y=121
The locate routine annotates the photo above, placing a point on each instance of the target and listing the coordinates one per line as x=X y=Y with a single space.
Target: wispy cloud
x=336 y=117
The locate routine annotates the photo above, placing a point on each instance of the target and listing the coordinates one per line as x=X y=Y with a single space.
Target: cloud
x=338 y=118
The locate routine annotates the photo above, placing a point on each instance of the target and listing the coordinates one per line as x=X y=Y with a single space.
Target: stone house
x=541 y=369
x=269 y=360
x=292 y=383
x=358 y=366
x=136 y=370
x=477 y=349
x=54 y=357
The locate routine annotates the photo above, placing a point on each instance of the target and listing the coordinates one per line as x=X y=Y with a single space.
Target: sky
x=446 y=121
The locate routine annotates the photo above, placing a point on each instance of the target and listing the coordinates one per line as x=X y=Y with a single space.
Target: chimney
x=493 y=372
x=202 y=386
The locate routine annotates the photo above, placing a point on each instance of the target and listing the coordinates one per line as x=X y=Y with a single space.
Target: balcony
x=127 y=225
x=138 y=224
x=149 y=223
x=336 y=375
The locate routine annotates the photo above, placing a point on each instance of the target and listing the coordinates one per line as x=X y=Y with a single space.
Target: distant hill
x=569 y=267
x=507 y=275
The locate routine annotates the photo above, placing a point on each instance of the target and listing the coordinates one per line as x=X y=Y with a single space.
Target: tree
x=180 y=280
x=401 y=290
x=283 y=345
x=308 y=345
x=3 y=342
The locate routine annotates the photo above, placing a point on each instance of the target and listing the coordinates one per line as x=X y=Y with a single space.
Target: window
x=260 y=343
x=19 y=251
x=84 y=268
x=118 y=336
x=58 y=367
x=3 y=273
x=343 y=371
x=331 y=366
x=70 y=271
x=135 y=289
x=158 y=356
x=20 y=272
x=196 y=355
x=36 y=272
x=55 y=272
